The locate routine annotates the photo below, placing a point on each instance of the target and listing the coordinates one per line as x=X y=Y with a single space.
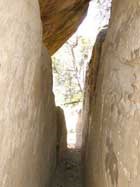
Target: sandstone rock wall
x=61 y=133
x=113 y=149
x=90 y=85
x=61 y=19
x=27 y=108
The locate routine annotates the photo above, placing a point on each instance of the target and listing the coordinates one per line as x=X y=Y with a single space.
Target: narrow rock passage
x=68 y=172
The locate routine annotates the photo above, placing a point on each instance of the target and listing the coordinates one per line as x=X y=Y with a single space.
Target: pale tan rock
x=113 y=149
x=79 y=129
x=90 y=85
x=61 y=133
x=27 y=109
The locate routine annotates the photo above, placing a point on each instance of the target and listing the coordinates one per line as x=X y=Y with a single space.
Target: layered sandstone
x=60 y=20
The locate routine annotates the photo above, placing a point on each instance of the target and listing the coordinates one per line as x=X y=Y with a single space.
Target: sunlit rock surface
x=113 y=149
x=27 y=109
x=60 y=20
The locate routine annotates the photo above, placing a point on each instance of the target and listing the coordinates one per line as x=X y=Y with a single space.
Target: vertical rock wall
x=27 y=109
x=90 y=86
x=61 y=133
x=79 y=129
x=113 y=149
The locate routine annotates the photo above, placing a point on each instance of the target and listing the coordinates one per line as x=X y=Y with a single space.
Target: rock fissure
x=33 y=134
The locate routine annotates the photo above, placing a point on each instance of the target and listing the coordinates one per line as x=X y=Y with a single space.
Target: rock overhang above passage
x=60 y=19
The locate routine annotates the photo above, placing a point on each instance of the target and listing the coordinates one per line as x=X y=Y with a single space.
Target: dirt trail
x=68 y=172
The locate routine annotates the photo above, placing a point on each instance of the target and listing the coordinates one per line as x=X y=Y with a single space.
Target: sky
x=89 y=26
x=94 y=20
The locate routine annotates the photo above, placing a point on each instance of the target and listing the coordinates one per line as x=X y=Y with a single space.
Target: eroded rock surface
x=61 y=133
x=60 y=20
x=27 y=109
x=90 y=85
x=113 y=149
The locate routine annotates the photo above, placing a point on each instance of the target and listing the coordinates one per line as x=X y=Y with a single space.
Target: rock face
x=79 y=129
x=61 y=133
x=113 y=149
x=27 y=109
x=60 y=20
x=90 y=85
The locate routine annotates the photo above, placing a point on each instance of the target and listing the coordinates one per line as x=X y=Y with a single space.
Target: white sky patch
x=89 y=27
x=97 y=16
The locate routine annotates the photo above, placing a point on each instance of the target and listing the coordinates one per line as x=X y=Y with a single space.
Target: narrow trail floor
x=68 y=172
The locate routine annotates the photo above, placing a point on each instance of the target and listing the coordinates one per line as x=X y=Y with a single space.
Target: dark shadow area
x=69 y=171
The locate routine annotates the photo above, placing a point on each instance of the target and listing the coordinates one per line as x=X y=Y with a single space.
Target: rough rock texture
x=60 y=20
x=61 y=133
x=113 y=151
x=90 y=85
x=27 y=109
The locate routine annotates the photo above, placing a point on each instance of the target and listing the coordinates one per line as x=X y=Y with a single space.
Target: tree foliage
x=69 y=71
x=69 y=63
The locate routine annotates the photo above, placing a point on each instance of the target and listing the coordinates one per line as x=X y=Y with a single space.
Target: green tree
x=69 y=71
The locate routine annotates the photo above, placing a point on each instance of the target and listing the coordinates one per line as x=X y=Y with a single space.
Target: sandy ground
x=68 y=172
